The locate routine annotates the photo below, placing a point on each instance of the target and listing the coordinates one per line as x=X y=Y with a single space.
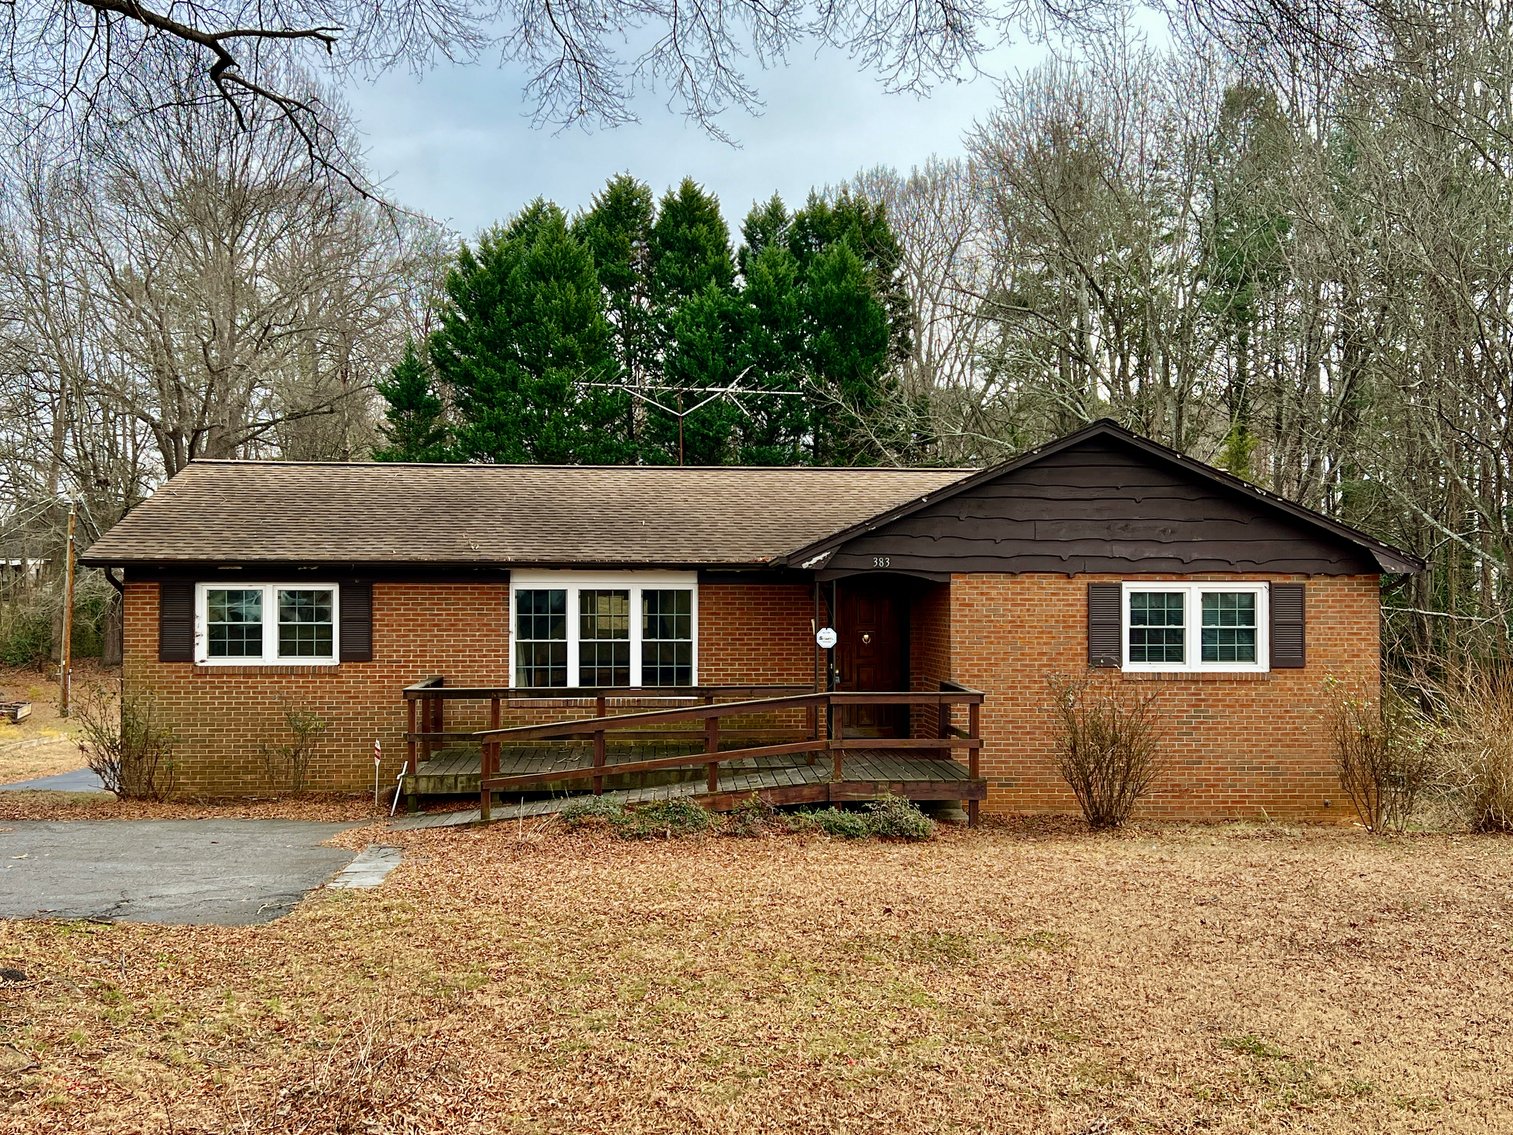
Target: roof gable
x=1103 y=500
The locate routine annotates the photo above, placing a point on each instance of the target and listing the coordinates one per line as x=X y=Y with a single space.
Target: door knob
x=866 y=640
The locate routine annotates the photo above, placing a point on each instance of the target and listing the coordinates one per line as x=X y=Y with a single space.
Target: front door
x=872 y=651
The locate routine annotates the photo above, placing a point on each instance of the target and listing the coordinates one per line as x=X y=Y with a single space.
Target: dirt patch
x=1009 y=979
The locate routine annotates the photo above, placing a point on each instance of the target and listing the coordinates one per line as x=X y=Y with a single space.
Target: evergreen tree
x=690 y=261
x=847 y=354
x=617 y=232
x=705 y=350
x=415 y=427
x=690 y=247
x=863 y=225
x=773 y=293
x=764 y=226
x=1244 y=250
x=522 y=334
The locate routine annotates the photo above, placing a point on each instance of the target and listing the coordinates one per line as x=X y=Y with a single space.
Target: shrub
x=1380 y=754
x=1106 y=748
x=26 y=635
x=833 y=822
x=753 y=816
x=666 y=818
x=581 y=810
x=1470 y=739
x=291 y=759
x=894 y=817
x=131 y=748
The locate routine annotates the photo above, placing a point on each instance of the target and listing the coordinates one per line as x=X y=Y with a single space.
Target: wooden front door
x=872 y=651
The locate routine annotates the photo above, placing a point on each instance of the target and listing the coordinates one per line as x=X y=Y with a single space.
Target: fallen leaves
x=1023 y=978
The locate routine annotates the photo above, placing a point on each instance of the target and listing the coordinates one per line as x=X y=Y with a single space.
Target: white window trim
x=270 y=655
x=633 y=581
x=1192 y=620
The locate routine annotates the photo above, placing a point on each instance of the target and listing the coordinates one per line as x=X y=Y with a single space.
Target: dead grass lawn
x=44 y=743
x=1016 y=979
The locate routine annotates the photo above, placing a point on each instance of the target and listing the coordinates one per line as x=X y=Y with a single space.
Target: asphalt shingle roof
x=312 y=512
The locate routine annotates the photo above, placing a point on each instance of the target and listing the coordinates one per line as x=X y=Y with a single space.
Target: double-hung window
x=1195 y=626
x=262 y=624
x=579 y=629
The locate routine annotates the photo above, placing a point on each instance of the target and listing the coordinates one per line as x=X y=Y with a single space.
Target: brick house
x=250 y=587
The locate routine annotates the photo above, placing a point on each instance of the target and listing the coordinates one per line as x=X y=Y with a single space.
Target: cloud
x=458 y=143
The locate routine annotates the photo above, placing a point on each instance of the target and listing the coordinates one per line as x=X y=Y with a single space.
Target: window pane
x=540 y=664
x=541 y=614
x=604 y=638
x=234 y=623
x=306 y=627
x=1229 y=626
x=541 y=638
x=667 y=637
x=1156 y=626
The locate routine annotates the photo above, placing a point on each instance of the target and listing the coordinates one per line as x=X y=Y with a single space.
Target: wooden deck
x=777 y=780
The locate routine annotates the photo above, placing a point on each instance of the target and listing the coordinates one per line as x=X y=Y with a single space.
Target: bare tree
x=96 y=63
x=200 y=293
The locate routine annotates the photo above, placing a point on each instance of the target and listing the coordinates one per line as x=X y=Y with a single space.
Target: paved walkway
x=224 y=872
x=80 y=780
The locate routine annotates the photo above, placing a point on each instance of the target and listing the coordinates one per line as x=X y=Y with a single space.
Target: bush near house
x=1106 y=746
x=131 y=749
x=1381 y=751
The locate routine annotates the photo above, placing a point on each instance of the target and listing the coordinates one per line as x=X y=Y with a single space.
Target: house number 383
x=881 y=561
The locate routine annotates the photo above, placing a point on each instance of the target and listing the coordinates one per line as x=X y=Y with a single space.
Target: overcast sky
x=458 y=143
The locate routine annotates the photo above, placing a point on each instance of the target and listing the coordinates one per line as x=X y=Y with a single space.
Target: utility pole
x=66 y=677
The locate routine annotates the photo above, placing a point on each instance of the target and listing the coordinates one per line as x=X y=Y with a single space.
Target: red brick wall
x=1238 y=745
x=223 y=716
x=929 y=651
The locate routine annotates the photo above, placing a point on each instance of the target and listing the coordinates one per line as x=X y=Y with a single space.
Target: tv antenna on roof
x=732 y=393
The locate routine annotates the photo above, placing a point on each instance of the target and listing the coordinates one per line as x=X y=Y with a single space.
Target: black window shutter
x=1288 y=637
x=1105 y=624
x=356 y=622
x=175 y=621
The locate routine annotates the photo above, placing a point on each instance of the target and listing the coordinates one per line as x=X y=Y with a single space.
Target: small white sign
x=826 y=637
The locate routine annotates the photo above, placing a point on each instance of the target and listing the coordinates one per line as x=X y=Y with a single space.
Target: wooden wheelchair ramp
x=870 y=775
x=820 y=766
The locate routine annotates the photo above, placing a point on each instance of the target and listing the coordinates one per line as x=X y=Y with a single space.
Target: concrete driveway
x=226 y=872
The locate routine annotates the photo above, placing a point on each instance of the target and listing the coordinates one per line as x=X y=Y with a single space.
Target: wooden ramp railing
x=826 y=725
x=426 y=704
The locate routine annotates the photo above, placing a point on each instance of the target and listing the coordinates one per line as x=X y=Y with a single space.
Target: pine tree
x=522 y=336
x=415 y=427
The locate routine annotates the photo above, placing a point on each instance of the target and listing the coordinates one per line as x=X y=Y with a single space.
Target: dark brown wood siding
x=1099 y=507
